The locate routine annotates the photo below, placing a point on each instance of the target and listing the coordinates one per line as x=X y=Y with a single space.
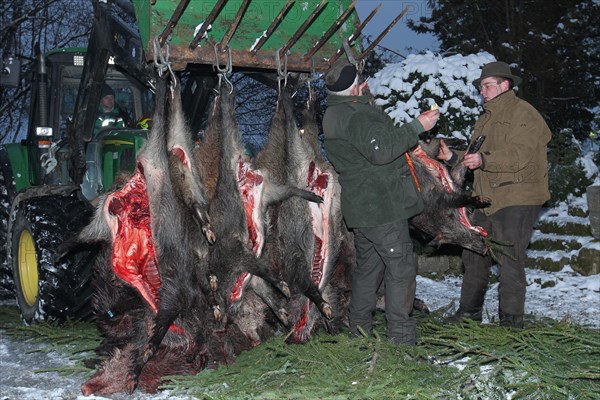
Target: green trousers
x=513 y=225
x=384 y=250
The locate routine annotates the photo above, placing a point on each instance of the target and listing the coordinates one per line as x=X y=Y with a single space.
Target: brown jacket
x=515 y=166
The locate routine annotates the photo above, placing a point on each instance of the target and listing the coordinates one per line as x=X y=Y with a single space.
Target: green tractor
x=50 y=182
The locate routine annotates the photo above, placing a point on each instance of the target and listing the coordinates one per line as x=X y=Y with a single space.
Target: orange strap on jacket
x=412 y=171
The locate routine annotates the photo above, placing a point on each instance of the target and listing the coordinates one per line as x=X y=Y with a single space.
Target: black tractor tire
x=47 y=289
x=6 y=276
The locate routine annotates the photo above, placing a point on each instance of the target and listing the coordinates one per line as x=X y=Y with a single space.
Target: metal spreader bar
x=354 y=35
x=207 y=23
x=271 y=27
x=172 y=22
x=382 y=35
x=330 y=31
x=302 y=28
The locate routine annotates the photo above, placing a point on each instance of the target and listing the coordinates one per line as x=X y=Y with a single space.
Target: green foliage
x=563 y=150
x=566 y=175
x=451 y=361
x=565 y=180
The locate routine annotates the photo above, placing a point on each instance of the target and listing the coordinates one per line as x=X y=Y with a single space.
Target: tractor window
x=147 y=103
x=67 y=105
x=124 y=97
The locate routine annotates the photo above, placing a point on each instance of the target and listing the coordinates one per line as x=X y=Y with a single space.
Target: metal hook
x=174 y=81
x=228 y=65
x=224 y=73
x=163 y=53
x=361 y=66
x=281 y=75
x=310 y=94
x=222 y=77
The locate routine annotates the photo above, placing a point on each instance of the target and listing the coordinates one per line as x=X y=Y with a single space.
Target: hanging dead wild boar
x=333 y=255
x=309 y=235
x=239 y=210
x=444 y=217
x=150 y=279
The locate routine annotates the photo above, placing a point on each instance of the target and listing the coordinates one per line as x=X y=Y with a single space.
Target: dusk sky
x=400 y=37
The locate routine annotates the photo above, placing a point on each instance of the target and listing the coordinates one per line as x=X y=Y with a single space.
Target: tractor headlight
x=43 y=131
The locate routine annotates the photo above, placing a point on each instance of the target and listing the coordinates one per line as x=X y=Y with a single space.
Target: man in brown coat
x=511 y=169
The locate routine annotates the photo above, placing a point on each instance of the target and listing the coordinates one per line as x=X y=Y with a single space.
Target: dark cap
x=497 y=68
x=105 y=90
x=340 y=76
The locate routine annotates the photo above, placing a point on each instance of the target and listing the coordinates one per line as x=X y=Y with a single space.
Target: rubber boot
x=511 y=321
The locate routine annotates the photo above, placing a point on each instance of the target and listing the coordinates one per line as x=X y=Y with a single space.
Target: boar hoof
x=209 y=234
x=282 y=314
x=217 y=312
x=147 y=355
x=482 y=202
x=214 y=282
x=285 y=289
x=327 y=310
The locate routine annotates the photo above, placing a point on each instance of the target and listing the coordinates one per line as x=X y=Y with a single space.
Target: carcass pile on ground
x=205 y=253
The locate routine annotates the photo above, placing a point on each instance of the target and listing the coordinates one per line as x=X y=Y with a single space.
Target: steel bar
x=382 y=35
x=271 y=27
x=181 y=55
x=238 y=17
x=355 y=35
x=172 y=22
x=330 y=31
x=302 y=28
x=207 y=23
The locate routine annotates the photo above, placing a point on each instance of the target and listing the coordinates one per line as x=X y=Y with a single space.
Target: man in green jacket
x=379 y=195
x=511 y=169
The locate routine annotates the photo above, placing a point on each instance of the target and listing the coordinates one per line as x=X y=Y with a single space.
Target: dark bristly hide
x=150 y=280
x=310 y=235
x=445 y=218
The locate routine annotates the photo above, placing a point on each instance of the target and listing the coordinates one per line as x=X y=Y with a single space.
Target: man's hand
x=429 y=118
x=472 y=161
x=445 y=153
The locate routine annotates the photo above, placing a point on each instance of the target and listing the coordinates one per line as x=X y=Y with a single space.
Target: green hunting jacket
x=369 y=153
x=515 y=165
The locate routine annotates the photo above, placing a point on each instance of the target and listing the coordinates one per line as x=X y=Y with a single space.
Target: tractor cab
x=51 y=136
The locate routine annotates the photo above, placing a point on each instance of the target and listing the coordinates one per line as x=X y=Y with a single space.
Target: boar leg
x=265 y=292
x=459 y=200
x=277 y=193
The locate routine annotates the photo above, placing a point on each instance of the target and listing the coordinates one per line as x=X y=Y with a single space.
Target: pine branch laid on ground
x=547 y=360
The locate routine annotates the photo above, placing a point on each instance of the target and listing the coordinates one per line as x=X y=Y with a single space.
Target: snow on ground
x=19 y=381
x=562 y=296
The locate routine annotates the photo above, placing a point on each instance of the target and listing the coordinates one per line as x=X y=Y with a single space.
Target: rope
x=411 y=166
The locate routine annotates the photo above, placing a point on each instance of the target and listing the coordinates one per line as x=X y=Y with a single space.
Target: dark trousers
x=386 y=250
x=513 y=225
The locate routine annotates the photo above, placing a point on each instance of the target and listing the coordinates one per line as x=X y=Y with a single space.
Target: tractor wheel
x=46 y=289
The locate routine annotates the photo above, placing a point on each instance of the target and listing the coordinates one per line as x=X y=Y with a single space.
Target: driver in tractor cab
x=110 y=114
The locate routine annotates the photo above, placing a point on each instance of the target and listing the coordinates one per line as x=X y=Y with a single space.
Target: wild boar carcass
x=150 y=280
x=242 y=196
x=310 y=235
x=444 y=217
